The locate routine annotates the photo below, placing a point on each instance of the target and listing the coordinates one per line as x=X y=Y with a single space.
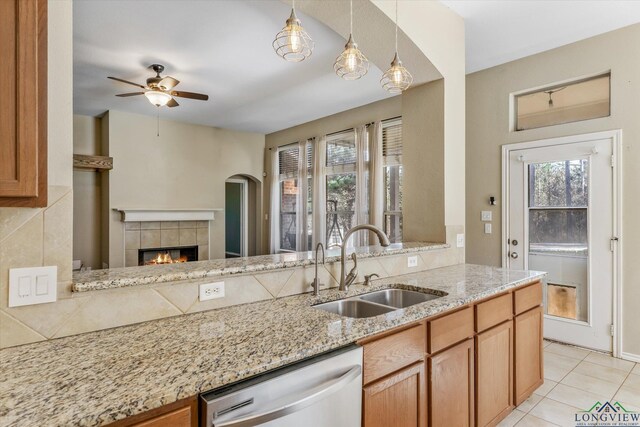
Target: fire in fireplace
x=154 y=256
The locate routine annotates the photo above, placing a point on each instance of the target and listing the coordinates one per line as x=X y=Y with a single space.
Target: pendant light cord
x=396 y=26
x=293 y=5
x=351 y=17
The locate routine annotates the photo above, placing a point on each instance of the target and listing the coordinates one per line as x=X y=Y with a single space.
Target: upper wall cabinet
x=23 y=103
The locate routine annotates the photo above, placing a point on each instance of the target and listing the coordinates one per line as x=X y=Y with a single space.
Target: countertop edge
x=244 y=267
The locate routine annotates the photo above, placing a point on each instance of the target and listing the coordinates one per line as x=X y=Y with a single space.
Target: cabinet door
x=178 y=418
x=451 y=390
x=528 y=353
x=23 y=104
x=397 y=400
x=494 y=374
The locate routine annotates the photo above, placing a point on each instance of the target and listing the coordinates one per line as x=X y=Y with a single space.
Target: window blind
x=341 y=149
x=288 y=161
x=392 y=141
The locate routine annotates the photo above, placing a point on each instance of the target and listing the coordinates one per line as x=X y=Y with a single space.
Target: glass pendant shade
x=397 y=78
x=157 y=98
x=351 y=64
x=293 y=43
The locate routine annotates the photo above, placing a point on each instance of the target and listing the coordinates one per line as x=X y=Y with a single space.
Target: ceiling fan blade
x=168 y=83
x=130 y=94
x=127 y=82
x=190 y=95
x=172 y=103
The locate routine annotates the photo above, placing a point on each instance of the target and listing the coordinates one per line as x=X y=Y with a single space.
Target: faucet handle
x=367 y=278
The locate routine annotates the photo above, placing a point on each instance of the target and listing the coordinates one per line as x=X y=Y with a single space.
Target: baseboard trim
x=630 y=357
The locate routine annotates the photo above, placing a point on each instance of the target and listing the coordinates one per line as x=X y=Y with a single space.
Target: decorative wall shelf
x=135 y=215
x=92 y=163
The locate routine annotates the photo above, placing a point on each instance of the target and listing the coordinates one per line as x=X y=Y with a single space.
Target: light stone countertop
x=99 y=377
x=131 y=276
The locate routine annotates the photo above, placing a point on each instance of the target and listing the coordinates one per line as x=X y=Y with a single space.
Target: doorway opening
x=561 y=215
x=236 y=220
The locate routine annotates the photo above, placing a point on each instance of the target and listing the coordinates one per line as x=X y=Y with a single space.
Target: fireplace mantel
x=140 y=215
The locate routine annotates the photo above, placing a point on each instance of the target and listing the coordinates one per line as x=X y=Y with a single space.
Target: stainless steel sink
x=354 y=308
x=398 y=298
x=377 y=303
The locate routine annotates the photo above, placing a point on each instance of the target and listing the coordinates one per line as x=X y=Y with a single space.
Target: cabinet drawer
x=527 y=298
x=178 y=418
x=393 y=352
x=448 y=330
x=493 y=312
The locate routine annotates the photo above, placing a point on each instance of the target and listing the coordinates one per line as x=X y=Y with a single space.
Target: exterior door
x=560 y=220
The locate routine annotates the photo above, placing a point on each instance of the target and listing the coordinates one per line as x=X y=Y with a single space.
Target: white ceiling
x=499 y=31
x=221 y=48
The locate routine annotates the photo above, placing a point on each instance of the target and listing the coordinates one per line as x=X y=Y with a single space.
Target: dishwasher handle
x=309 y=398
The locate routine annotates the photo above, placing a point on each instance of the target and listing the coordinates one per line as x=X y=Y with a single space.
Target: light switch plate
x=211 y=291
x=487 y=229
x=486 y=215
x=412 y=261
x=460 y=240
x=33 y=285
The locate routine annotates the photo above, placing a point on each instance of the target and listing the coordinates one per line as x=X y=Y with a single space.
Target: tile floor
x=575 y=379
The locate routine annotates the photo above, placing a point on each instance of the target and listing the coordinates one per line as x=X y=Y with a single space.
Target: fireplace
x=172 y=255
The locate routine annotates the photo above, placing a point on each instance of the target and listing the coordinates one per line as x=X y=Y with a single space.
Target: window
x=392 y=155
x=558 y=203
x=570 y=102
x=292 y=238
x=347 y=184
x=341 y=185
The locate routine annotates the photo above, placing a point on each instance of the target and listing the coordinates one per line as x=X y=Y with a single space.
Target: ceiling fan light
x=351 y=64
x=157 y=98
x=293 y=43
x=397 y=78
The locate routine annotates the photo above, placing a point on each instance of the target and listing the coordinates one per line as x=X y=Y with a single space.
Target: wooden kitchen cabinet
x=397 y=400
x=451 y=386
x=529 y=374
x=23 y=104
x=183 y=413
x=494 y=374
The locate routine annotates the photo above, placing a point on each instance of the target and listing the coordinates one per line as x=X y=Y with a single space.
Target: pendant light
x=351 y=64
x=293 y=43
x=397 y=78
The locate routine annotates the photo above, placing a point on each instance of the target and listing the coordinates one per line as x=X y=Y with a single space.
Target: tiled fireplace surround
x=162 y=234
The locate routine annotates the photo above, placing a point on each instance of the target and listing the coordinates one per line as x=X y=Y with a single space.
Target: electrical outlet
x=487 y=229
x=460 y=240
x=211 y=291
x=412 y=261
x=486 y=216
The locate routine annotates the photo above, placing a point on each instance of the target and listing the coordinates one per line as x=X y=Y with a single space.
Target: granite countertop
x=99 y=377
x=131 y=276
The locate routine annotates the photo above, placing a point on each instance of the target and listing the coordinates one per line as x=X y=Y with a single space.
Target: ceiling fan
x=159 y=89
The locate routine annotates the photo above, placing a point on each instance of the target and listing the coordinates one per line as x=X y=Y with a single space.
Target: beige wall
x=487 y=129
x=423 y=198
x=183 y=168
x=439 y=33
x=36 y=237
x=87 y=189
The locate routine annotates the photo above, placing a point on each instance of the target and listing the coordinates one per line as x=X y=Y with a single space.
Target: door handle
x=514 y=255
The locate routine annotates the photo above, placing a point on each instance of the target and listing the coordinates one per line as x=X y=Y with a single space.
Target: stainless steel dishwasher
x=325 y=391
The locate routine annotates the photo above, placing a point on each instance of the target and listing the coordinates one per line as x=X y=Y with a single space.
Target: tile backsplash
x=26 y=240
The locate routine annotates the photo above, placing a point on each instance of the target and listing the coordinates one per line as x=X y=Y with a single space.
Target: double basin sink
x=377 y=303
